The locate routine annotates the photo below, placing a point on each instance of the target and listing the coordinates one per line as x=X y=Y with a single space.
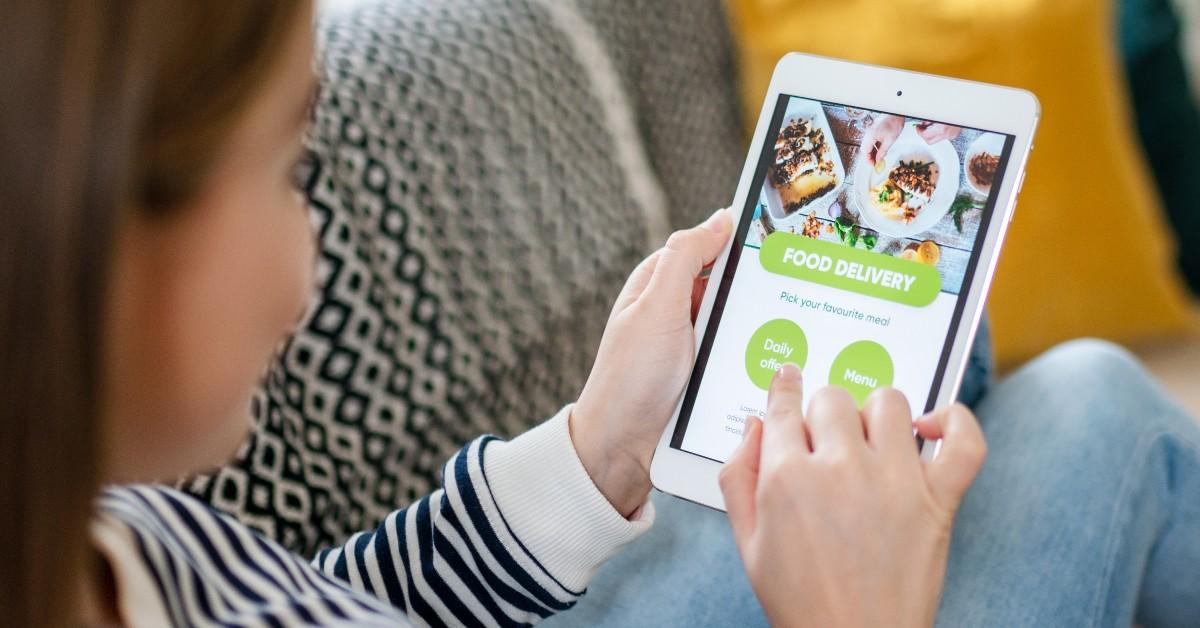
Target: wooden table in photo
x=955 y=245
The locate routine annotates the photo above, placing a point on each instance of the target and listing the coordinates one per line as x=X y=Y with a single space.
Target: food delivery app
x=861 y=243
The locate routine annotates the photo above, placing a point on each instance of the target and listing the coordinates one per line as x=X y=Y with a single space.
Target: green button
x=854 y=270
x=776 y=343
x=861 y=368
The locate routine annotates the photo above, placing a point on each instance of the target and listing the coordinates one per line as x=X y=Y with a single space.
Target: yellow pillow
x=1087 y=253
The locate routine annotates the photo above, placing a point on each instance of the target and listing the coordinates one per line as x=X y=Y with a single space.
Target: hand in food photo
x=934 y=132
x=886 y=128
x=880 y=138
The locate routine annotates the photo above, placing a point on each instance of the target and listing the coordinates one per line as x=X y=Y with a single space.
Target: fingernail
x=747 y=427
x=789 y=373
x=786 y=374
x=718 y=222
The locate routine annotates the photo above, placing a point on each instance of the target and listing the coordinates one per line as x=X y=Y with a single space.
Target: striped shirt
x=513 y=536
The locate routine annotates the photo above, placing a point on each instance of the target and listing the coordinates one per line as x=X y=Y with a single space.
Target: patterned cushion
x=675 y=59
x=480 y=191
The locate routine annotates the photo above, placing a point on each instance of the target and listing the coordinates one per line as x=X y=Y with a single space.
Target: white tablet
x=869 y=217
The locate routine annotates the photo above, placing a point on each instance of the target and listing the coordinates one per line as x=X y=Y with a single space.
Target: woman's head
x=152 y=252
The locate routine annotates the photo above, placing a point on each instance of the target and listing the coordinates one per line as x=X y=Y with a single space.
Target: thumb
x=686 y=254
x=739 y=481
x=636 y=284
x=960 y=457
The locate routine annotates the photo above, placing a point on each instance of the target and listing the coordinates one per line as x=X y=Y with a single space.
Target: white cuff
x=552 y=505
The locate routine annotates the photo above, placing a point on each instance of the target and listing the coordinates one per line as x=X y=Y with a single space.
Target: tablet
x=869 y=216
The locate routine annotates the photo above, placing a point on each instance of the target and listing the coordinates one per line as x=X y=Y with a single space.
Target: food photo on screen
x=909 y=188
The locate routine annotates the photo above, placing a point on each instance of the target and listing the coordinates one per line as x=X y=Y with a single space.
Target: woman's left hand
x=643 y=363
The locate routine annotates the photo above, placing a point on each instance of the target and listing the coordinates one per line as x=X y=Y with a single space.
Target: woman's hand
x=880 y=137
x=838 y=520
x=643 y=363
x=934 y=132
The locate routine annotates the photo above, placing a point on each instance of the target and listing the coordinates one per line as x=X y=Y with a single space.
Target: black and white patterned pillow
x=478 y=204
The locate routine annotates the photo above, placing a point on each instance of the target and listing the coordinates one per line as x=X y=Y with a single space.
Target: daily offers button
x=854 y=270
x=776 y=343
x=861 y=368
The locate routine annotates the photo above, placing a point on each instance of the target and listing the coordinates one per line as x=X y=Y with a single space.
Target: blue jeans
x=1086 y=513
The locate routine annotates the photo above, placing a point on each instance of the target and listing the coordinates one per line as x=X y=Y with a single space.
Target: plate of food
x=912 y=189
x=807 y=170
x=982 y=162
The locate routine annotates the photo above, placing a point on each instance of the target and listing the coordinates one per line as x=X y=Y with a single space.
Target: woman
x=154 y=253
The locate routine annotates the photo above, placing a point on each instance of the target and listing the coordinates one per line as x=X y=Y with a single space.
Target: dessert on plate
x=803 y=170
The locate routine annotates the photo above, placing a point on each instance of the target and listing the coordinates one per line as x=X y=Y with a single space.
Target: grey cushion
x=479 y=198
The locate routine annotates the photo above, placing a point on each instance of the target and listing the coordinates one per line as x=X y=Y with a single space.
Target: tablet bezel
x=983 y=106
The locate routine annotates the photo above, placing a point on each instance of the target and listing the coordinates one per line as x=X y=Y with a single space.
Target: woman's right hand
x=879 y=138
x=838 y=520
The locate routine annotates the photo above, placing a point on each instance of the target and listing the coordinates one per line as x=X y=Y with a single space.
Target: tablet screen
x=853 y=260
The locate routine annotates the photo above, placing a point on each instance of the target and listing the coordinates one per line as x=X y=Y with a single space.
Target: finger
x=783 y=431
x=883 y=145
x=637 y=282
x=834 y=422
x=961 y=455
x=888 y=418
x=881 y=137
x=697 y=294
x=949 y=132
x=872 y=145
x=932 y=135
x=697 y=289
x=935 y=133
x=739 y=480
x=687 y=253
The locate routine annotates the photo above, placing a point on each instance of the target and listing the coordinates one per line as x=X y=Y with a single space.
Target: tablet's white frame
x=966 y=103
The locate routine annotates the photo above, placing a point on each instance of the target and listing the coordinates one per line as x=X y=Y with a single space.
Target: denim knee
x=1092 y=362
x=1093 y=386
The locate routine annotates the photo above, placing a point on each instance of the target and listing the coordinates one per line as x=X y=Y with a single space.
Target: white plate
x=908 y=146
x=990 y=143
x=800 y=109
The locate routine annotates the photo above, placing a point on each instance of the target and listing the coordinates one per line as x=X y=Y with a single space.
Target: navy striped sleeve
x=512 y=537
